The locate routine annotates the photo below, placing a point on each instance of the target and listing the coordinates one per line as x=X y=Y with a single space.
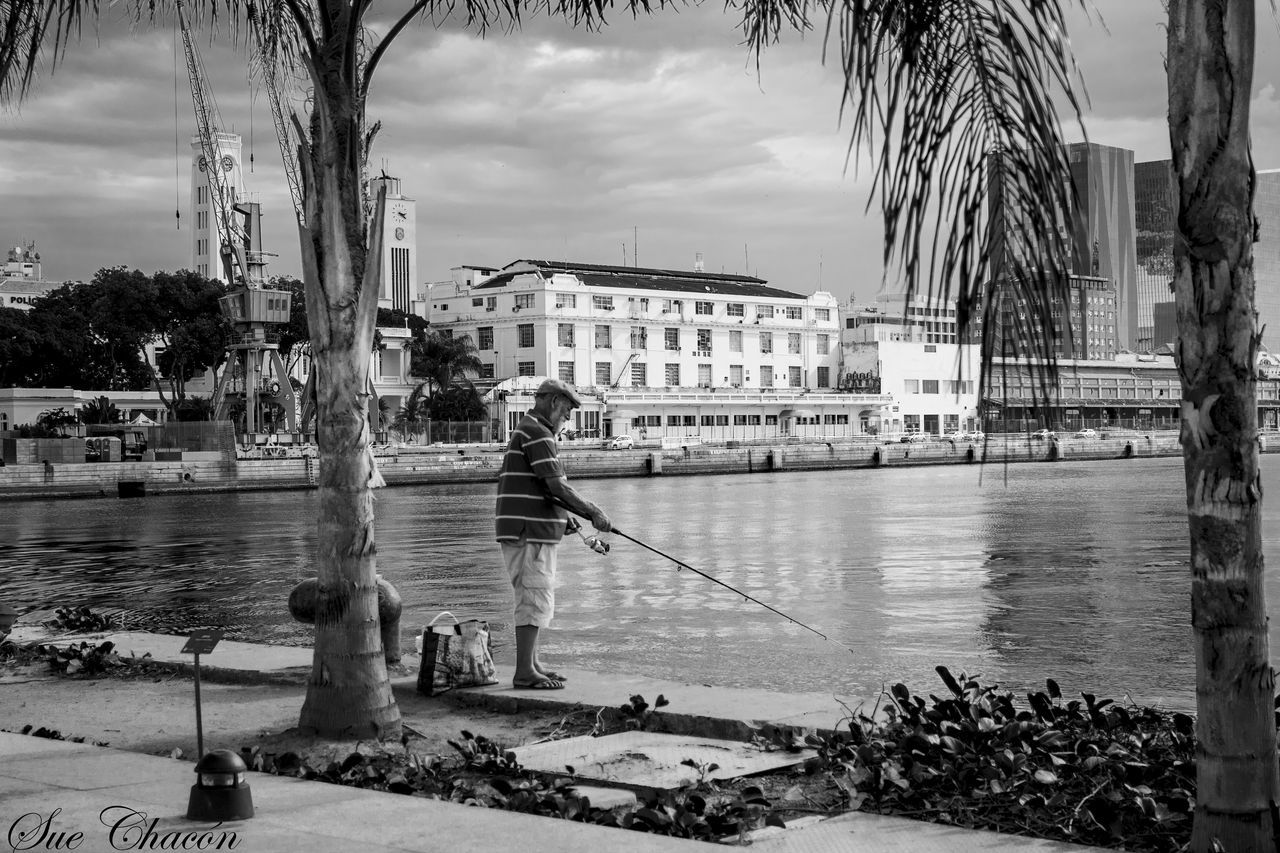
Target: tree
x=187 y=323
x=100 y=410
x=413 y=416
x=459 y=402
x=440 y=359
x=1210 y=76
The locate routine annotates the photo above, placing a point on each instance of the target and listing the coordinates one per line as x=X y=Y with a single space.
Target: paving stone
x=652 y=760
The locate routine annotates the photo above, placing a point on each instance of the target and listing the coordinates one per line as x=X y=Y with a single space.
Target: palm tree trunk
x=349 y=692
x=1210 y=69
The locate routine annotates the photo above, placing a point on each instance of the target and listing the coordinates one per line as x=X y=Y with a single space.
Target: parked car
x=620 y=442
x=1087 y=433
x=1044 y=434
x=973 y=435
x=917 y=437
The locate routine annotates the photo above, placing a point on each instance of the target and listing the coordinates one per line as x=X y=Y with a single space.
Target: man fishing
x=530 y=525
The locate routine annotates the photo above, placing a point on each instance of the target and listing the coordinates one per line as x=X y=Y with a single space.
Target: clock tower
x=398 y=253
x=205 y=240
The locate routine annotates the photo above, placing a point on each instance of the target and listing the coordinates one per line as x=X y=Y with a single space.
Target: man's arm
x=566 y=494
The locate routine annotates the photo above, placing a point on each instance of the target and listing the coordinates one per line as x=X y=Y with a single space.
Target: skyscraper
x=1266 y=257
x=1102 y=229
x=1154 y=212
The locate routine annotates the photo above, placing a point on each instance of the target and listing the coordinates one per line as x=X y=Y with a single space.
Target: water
x=1075 y=571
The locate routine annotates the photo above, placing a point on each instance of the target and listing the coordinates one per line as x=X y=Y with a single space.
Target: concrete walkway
x=123 y=800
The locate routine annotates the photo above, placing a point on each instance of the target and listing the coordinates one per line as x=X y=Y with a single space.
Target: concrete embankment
x=425 y=466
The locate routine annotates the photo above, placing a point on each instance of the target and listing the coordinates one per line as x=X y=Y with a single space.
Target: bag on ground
x=455 y=654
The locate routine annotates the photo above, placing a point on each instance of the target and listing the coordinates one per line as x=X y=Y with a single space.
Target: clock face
x=400 y=213
x=227 y=163
x=399 y=233
x=203 y=163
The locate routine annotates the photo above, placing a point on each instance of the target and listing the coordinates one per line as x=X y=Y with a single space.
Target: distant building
x=1089 y=314
x=1266 y=257
x=22 y=280
x=661 y=353
x=398 y=253
x=1099 y=228
x=909 y=350
x=1154 y=213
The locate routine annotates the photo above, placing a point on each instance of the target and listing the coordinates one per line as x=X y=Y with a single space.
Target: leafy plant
x=1086 y=770
x=82 y=658
x=79 y=620
x=636 y=712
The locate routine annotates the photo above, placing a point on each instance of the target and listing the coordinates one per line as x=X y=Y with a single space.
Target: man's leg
x=526 y=653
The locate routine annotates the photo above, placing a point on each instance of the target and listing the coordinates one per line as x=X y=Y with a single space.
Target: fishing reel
x=594 y=542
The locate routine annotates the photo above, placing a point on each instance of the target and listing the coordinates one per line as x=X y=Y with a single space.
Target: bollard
x=302 y=605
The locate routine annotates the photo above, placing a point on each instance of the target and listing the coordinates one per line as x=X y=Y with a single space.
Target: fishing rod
x=601 y=547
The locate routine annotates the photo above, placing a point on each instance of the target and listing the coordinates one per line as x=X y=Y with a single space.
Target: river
x=1075 y=571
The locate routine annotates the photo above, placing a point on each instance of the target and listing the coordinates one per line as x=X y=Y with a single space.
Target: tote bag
x=455 y=654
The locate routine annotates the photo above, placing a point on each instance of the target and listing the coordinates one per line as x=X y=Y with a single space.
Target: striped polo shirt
x=523 y=507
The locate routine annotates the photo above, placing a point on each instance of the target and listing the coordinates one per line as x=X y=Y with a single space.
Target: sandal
x=538 y=684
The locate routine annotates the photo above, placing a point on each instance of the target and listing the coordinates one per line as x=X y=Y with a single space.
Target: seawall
x=473 y=464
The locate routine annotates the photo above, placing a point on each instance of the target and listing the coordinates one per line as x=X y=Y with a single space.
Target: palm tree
x=100 y=410
x=413 y=416
x=441 y=359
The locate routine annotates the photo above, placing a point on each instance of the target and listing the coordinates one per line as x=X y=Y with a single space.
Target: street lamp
x=220 y=792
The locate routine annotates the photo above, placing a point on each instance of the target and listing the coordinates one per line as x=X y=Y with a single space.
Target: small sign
x=202 y=642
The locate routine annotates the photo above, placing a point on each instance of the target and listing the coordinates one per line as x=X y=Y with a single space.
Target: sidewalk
x=59 y=787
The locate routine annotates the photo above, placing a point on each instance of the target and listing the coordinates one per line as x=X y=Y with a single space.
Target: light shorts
x=532 y=568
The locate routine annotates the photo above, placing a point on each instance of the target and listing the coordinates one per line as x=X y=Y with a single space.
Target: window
x=671 y=306
x=477 y=302
x=491 y=303
x=824 y=344
x=671 y=339
x=764 y=312
x=564 y=334
x=703 y=308
x=602 y=303
x=793 y=312
x=824 y=377
x=766 y=376
x=735 y=309
x=643 y=302
x=794 y=377
x=484 y=337
x=486 y=371
x=735 y=341
x=566 y=372
x=739 y=420
x=704 y=340
x=673 y=420
x=524 y=368
x=447 y=334
x=766 y=342
x=929 y=386
x=524 y=334
x=704 y=376
x=722 y=420
x=639 y=375
x=604 y=337
x=708 y=420
x=823 y=314
x=911 y=386
x=735 y=375
x=673 y=374
x=793 y=342
x=524 y=300
x=639 y=337
x=603 y=373
x=653 y=420
x=770 y=420
x=566 y=300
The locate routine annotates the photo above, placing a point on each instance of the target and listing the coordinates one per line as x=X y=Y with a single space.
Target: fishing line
x=680 y=564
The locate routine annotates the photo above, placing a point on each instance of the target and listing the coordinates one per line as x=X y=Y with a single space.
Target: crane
x=254 y=376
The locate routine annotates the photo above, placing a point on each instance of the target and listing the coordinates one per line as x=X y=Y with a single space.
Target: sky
x=645 y=143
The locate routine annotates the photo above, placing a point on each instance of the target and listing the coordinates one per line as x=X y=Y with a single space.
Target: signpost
x=200 y=642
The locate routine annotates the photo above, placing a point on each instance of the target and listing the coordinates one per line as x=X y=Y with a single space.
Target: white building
x=661 y=353
x=910 y=352
x=398 y=253
x=21 y=280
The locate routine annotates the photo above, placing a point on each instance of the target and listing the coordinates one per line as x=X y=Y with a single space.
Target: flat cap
x=558 y=386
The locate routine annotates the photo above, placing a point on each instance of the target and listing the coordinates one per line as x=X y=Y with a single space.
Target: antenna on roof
x=635 y=246
x=746 y=256
x=697 y=262
x=624 y=253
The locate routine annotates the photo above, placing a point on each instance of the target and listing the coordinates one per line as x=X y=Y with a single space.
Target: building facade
x=666 y=353
x=206 y=213
x=21 y=278
x=1084 y=325
x=1154 y=211
x=1266 y=257
x=398 y=253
